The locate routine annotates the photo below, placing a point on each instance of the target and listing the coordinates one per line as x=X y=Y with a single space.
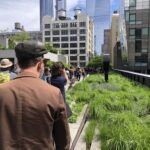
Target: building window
x=138 y=46
x=144 y=31
x=132 y=17
x=73 y=64
x=47 y=32
x=144 y=58
x=64 y=25
x=56 y=39
x=64 y=32
x=138 y=33
x=64 y=38
x=65 y=51
x=141 y=59
x=47 y=26
x=82 y=24
x=73 y=24
x=83 y=64
x=127 y=16
x=73 y=31
x=82 y=51
x=82 y=38
x=73 y=44
x=137 y=59
x=73 y=38
x=56 y=45
x=82 y=57
x=82 y=31
x=132 y=3
x=144 y=50
x=82 y=44
x=55 y=32
x=72 y=51
x=132 y=32
x=56 y=25
x=64 y=45
x=73 y=57
x=47 y=39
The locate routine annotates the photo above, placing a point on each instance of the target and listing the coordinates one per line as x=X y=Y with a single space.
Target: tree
x=19 y=37
x=96 y=62
x=50 y=48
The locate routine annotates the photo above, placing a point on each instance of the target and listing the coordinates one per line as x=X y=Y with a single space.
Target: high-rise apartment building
x=99 y=10
x=137 y=18
x=73 y=37
x=46 y=9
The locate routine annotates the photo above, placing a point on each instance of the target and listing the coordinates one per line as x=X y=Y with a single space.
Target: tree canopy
x=96 y=62
x=19 y=37
x=50 y=48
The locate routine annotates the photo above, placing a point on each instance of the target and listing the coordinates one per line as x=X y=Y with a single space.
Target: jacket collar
x=26 y=74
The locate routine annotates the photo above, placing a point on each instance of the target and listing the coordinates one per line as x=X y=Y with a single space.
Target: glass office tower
x=99 y=10
x=46 y=8
x=137 y=17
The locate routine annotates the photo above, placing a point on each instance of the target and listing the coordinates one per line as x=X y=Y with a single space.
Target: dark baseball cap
x=31 y=49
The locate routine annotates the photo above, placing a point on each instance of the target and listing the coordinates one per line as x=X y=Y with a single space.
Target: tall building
x=137 y=18
x=60 y=5
x=114 y=35
x=99 y=10
x=107 y=40
x=73 y=37
x=46 y=9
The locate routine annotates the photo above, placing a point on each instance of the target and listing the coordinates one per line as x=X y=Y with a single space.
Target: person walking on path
x=59 y=79
x=32 y=112
x=106 y=66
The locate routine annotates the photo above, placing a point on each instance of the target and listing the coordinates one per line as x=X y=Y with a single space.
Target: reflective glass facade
x=137 y=16
x=46 y=8
x=99 y=10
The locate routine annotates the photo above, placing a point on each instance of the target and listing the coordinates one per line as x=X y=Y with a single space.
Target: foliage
x=89 y=132
x=49 y=63
x=121 y=109
x=126 y=111
x=19 y=37
x=96 y=62
x=50 y=48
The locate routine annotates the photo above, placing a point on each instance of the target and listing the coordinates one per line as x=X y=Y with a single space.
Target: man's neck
x=31 y=70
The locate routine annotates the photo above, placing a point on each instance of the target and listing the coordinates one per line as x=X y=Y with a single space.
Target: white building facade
x=73 y=37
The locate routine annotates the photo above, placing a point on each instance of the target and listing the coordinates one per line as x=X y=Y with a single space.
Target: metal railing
x=138 y=77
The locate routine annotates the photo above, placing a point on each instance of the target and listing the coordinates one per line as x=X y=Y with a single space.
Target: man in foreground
x=32 y=112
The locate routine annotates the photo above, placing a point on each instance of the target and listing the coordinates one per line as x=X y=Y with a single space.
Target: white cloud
x=24 y=11
x=27 y=12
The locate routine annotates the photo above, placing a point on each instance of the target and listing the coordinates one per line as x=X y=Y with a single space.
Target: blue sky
x=27 y=12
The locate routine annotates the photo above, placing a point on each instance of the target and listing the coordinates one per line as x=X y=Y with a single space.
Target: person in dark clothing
x=106 y=70
x=59 y=79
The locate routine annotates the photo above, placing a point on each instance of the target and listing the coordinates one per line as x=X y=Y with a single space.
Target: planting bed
x=120 y=110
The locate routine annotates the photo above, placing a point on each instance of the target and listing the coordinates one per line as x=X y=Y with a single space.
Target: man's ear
x=40 y=65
